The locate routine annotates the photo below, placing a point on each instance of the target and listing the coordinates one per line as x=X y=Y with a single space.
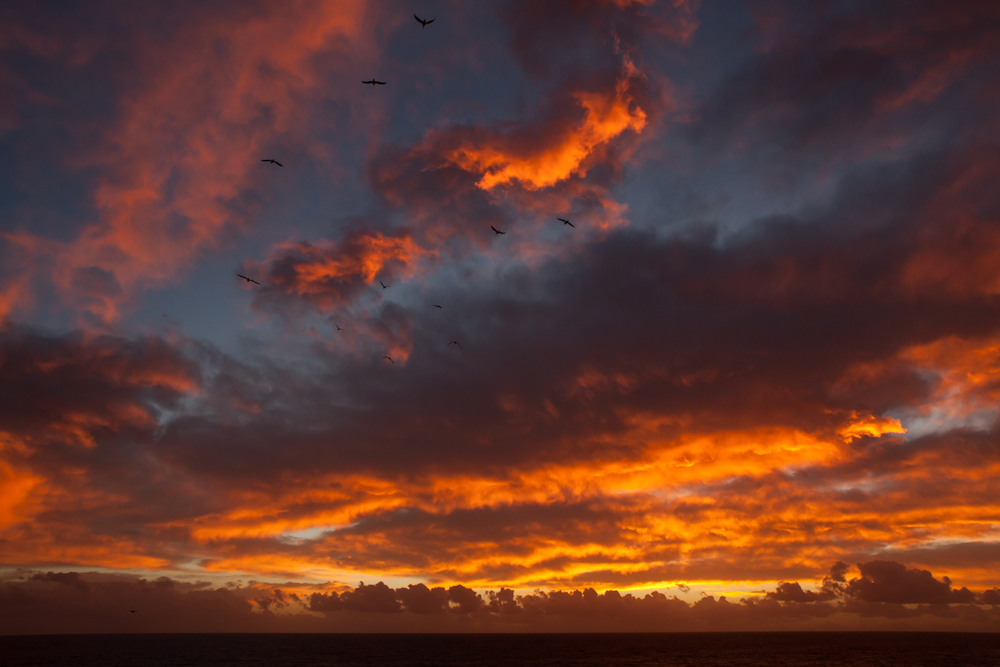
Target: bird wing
x=381 y=83
x=253 y=281
x=418 y=18
x=371 y=82
x=435 y=305
x=277 y=163
x=429 y=22
x=265 y=160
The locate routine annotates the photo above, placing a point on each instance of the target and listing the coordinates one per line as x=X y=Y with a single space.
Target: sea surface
x=849 y=649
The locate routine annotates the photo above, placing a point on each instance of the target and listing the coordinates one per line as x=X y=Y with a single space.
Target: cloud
x=70 y=391
x=830 y=84
x=887 y=581
x=631 y=408
x=550 y=153
x=179 y=160
x=331 y=275
x=792 y=592
x=33 y=603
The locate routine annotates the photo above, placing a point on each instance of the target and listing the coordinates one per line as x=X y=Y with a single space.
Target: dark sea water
x=854 y=649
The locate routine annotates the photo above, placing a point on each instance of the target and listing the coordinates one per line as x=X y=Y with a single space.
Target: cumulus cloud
x=95 y=602
x=887 y=581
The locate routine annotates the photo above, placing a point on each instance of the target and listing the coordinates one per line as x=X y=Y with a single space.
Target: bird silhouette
x=338 y=328
x=249 y=280
x=566 y=222
x=132 y=611
x=435 y=305
x=374 y=83
x=384 y=286
x=455 y=342
x=274 y=162
x=423 y=23
x=496 y=230
x=390 y=360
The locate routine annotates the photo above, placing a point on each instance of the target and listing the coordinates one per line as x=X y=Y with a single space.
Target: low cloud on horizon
x=886 y=594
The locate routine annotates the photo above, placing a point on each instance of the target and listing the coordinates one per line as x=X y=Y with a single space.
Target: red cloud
x=562 y=151
x=329 y=275
x=179 y=163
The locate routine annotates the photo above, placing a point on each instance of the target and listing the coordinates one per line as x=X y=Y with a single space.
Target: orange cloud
x=870 y=426
x=188 y=145
x=964 y=376
x=328 y=274
x=570 y=153
x=15 y=487
x=642 y=495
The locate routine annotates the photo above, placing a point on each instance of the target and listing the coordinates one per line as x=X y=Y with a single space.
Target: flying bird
x=454 y=342
x=132 y=611
x=423 y=23
x=249 y=280
x=274 y=162
x=496 y=230
x=566 y=222
x=390 y=360
x=338 y=328
x=374 y=83
x=435 y=305
x=384 y=286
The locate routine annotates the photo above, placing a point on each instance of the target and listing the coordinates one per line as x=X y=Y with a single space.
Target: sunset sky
x=763 y=366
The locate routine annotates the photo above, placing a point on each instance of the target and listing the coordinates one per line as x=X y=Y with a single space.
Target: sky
x=755 y=385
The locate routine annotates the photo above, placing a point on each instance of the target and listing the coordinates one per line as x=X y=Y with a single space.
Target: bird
x=249 y=280
x=496 y=230
x=132 y=611
x=338 y=328
x=390 y=360
x=384 y=286
x=435 y=305
x=274 y=162
x=566 y=222
x=374 y=83
x=455 y=342
x=423 y=23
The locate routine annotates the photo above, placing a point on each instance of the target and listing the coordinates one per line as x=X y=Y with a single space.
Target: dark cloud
x=888 y=581
x=772 y=321
x=77 y=390
x=377 y=598
x=828 y=77
x=54 y=602
x=589 y=34
x=67 y=578
x=792 y=592
x=418 y=599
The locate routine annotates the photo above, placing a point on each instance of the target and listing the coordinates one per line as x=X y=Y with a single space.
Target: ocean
x=847 y=649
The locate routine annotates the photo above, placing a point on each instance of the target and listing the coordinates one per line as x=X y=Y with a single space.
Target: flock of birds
x=374 y=82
